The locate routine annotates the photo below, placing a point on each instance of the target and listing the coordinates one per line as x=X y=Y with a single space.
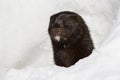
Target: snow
x=26 y=52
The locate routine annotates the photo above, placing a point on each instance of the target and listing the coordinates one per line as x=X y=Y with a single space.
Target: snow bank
x=103 y=64
x=25 y=42
x=23 y=28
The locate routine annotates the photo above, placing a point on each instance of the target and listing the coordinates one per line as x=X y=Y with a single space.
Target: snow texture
x=26 y=52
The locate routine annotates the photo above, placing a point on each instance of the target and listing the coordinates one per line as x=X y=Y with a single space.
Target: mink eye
x=56 y=26
x=68 y=26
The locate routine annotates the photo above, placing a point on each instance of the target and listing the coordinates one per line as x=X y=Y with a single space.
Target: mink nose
x=58 y=31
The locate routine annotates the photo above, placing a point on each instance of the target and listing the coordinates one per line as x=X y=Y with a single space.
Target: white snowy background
x=25 y=48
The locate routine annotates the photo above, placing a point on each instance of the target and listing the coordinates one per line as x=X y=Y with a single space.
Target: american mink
x=70 y=38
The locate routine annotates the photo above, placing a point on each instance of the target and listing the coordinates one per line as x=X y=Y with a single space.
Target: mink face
x=64 y=28
x=70 y=38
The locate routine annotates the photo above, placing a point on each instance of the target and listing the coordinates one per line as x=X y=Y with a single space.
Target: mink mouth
x=60 y=39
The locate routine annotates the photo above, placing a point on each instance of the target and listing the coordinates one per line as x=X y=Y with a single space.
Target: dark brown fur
x=75 y=41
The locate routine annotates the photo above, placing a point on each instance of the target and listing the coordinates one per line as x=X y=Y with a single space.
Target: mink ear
x=52 y=20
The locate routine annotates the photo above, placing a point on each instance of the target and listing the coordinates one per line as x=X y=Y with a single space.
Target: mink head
x=66 y=27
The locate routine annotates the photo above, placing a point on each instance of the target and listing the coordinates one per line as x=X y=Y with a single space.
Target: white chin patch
x=57 y=38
